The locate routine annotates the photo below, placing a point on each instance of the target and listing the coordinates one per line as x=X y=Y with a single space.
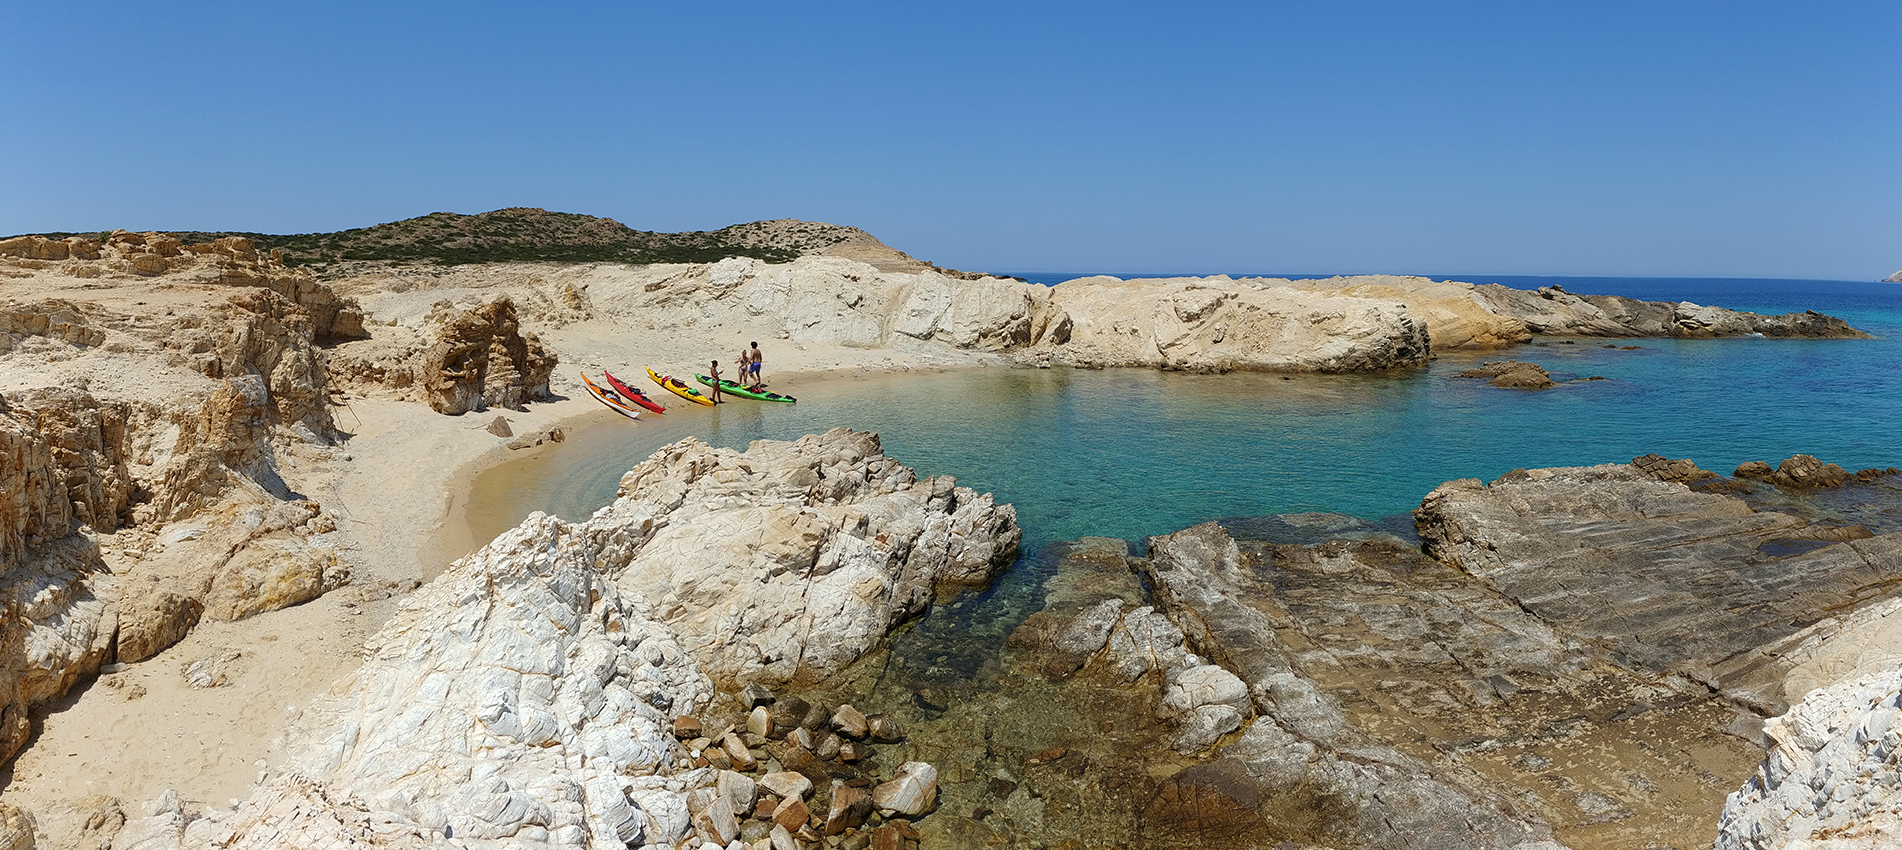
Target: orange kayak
x=611 y=399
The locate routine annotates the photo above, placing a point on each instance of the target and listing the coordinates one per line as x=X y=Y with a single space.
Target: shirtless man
x=754 y=358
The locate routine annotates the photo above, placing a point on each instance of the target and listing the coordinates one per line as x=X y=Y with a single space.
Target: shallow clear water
x=1130 y=453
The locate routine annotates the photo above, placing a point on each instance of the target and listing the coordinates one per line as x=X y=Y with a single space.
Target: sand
x=395 y=483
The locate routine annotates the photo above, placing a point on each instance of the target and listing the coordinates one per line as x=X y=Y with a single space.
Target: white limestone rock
x=1220 y=323
x=794 y=558
x=910 y=793
x=1831 y=778
x=525 y=697
x=518 y=698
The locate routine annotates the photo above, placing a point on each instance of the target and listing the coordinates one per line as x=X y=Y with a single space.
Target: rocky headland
x=226 y=458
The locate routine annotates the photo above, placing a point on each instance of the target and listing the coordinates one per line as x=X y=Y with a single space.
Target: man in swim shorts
x=755 y=357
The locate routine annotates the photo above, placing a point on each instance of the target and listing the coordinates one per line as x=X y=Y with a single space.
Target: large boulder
x=793 y=559
x=480 y=358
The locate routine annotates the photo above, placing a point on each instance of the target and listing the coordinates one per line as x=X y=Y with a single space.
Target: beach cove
x=1075 y=443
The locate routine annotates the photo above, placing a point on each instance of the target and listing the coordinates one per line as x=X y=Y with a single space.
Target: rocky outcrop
x=533 y=693
x=1806 y=473
x=1512 y=374
x=480 y=359
x=464 y=359
x=1219 y=324
x=791 y=560
x=54 y=320
x=62 y=464
x=520 y=697
x=1675 y=581
x=1455 y=316
x=230 y=261
x=1830 y=778
x=186 y=494
x=1552 y=310
x=69 y=471
x=1894 y=278
x=1304 y=744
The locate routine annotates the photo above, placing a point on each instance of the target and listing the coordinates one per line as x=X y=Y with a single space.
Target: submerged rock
x=1515 y=374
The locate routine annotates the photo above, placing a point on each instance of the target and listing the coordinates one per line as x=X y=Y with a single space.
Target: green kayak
x=734 y=388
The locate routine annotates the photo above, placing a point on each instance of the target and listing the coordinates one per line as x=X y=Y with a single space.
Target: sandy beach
x=397 y=485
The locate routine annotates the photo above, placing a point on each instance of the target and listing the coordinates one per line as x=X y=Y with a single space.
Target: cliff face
x=142 y=454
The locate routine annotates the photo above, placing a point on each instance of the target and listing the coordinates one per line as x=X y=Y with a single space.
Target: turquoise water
x=1132 y=453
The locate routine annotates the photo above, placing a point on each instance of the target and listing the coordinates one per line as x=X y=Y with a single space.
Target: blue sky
x=1674 y=138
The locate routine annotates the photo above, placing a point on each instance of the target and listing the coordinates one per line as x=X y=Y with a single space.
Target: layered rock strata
x=530 y=694
x=145 y=451
x=1552 y=310
x=1596 y=698
x=1675 y=581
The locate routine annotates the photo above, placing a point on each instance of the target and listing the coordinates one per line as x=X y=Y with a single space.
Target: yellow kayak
x=673 y=385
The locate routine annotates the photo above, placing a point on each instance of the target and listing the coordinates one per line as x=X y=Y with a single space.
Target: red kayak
x=632 y=394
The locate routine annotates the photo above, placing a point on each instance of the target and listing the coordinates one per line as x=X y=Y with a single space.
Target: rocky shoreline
x=201 y=435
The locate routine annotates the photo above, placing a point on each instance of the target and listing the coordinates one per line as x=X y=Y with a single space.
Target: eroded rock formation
x=793 y=559
x=529 y=694
x=230 y=261
x=465 y=359
x=1830 y=780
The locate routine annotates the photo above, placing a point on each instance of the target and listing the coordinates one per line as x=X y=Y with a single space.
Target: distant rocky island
x=261 y=432
x=1894 y=278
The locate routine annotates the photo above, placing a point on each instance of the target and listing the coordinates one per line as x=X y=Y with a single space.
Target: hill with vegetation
x=524 y=234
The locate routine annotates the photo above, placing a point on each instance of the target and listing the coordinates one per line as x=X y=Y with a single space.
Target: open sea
x=1133 y=452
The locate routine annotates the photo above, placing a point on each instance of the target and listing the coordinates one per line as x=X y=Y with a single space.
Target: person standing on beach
x=713 y=369
x=753 y=363
x=745 y=377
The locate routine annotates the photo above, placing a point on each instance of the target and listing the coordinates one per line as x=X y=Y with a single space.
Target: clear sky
x=1653 y=138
